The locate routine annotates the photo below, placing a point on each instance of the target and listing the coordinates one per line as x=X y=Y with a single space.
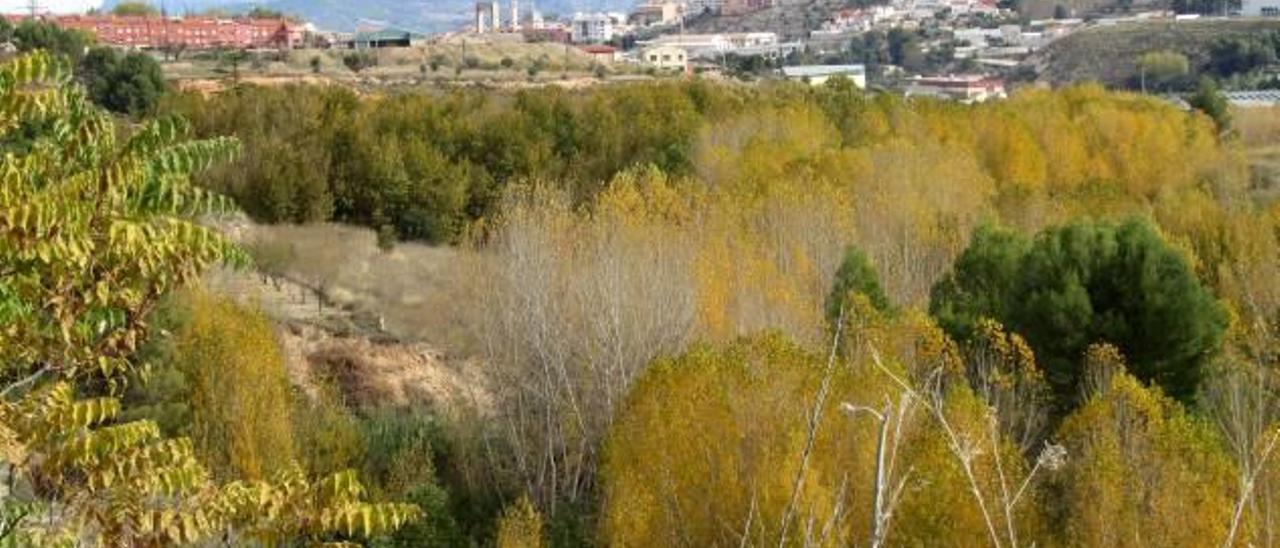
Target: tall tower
x=497 y=16
x=515 y=15
x=482 y=15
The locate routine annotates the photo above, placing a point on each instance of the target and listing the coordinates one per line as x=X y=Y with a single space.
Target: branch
x=815 y=418
x=28 y=381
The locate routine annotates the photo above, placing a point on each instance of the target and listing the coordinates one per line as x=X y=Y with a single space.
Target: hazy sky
x=56 y=6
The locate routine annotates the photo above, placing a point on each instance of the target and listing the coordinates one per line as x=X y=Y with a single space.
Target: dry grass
x=408 y=290
x=1258 y=127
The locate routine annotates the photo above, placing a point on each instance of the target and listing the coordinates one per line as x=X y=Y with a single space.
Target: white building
x=589 y=28
x=968 y=88
x=817 y=75
x=665 y=58
x=716 y=45
x=1260 y=8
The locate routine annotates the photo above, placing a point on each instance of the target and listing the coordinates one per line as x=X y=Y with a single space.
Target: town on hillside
x=965 y=50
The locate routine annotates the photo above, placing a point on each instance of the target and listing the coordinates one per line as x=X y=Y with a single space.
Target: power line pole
x=33 y=7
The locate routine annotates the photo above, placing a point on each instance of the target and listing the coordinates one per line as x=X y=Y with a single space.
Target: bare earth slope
x=343 y=320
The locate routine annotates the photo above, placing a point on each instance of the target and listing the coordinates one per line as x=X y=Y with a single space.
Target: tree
x=1087 y=283
x=239 y=394
x=35 y=35
x=129 y=83
x=259 y=12
x=1242 y=54
x=93 y=233
x=856 y=275
x=1159 y=69
x=135 y=9
x=1209 y=99
x=520 y=526
x=1142 y=467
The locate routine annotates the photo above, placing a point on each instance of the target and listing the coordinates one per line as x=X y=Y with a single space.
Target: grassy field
x=1108 y=54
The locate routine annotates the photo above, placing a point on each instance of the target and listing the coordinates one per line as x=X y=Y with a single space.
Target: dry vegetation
x=1109 y=53
x=461 y=60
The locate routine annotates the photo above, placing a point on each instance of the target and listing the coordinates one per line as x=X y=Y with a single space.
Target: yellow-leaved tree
x=95 y=229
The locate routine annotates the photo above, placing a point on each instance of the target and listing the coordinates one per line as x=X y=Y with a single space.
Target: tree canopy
x=1086 y=283
x=95 y=229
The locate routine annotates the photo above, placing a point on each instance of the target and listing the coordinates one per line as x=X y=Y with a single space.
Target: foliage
x=520 y=526
x=1242 y=54
x=400 y=448
x=326 y=433
x=93 y=233
x=1162 y=69
x=1085 y=283
x=1142 y=471
x=239 y=396
x=858 y=276
x=38 y=35
x=1209 y=99
x=357 y=61
x=712 y=447
x=130 y=83
x=135 y=9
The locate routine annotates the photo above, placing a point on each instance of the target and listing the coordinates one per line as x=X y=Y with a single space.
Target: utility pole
x=33 y=7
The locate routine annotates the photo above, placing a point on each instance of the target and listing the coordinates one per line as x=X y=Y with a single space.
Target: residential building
x=1260 y=8
x=817 y=75
x=657 y=13
x=602 y=54
x=716 y=45
x=968 y=88
x=588 y=28
x=187 y=32
x=664 y=57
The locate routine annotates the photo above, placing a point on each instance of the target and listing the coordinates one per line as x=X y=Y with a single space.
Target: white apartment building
x=588 y=28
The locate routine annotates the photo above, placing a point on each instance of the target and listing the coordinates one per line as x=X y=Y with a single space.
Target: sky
x=56 y=6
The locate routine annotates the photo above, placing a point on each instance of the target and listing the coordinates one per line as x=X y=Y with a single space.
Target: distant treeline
x=430 y=164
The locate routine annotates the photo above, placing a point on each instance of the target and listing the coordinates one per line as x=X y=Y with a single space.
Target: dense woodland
x=707 y=314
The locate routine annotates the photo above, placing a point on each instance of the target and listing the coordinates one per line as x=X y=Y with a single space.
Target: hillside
x=1107 y=54
x=422 y=15
x=790 y=18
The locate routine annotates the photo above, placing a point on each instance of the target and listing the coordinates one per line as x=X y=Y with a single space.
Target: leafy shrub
x=238 y=392
x=520 y=526
x=1087 y=283
x=130 y=83
x=357 y=61
x=856 y=275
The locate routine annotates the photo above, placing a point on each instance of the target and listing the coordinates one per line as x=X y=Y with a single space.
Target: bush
x=236 y=388
x=520 y=526
x=1087 y=283
x=856 y=275
x=129 y=83
x=1139 y=466
x=357 y=61
x=399 y=464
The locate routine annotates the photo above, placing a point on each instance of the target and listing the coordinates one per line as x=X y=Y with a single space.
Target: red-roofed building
x=602 y=54
x=188 y=32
